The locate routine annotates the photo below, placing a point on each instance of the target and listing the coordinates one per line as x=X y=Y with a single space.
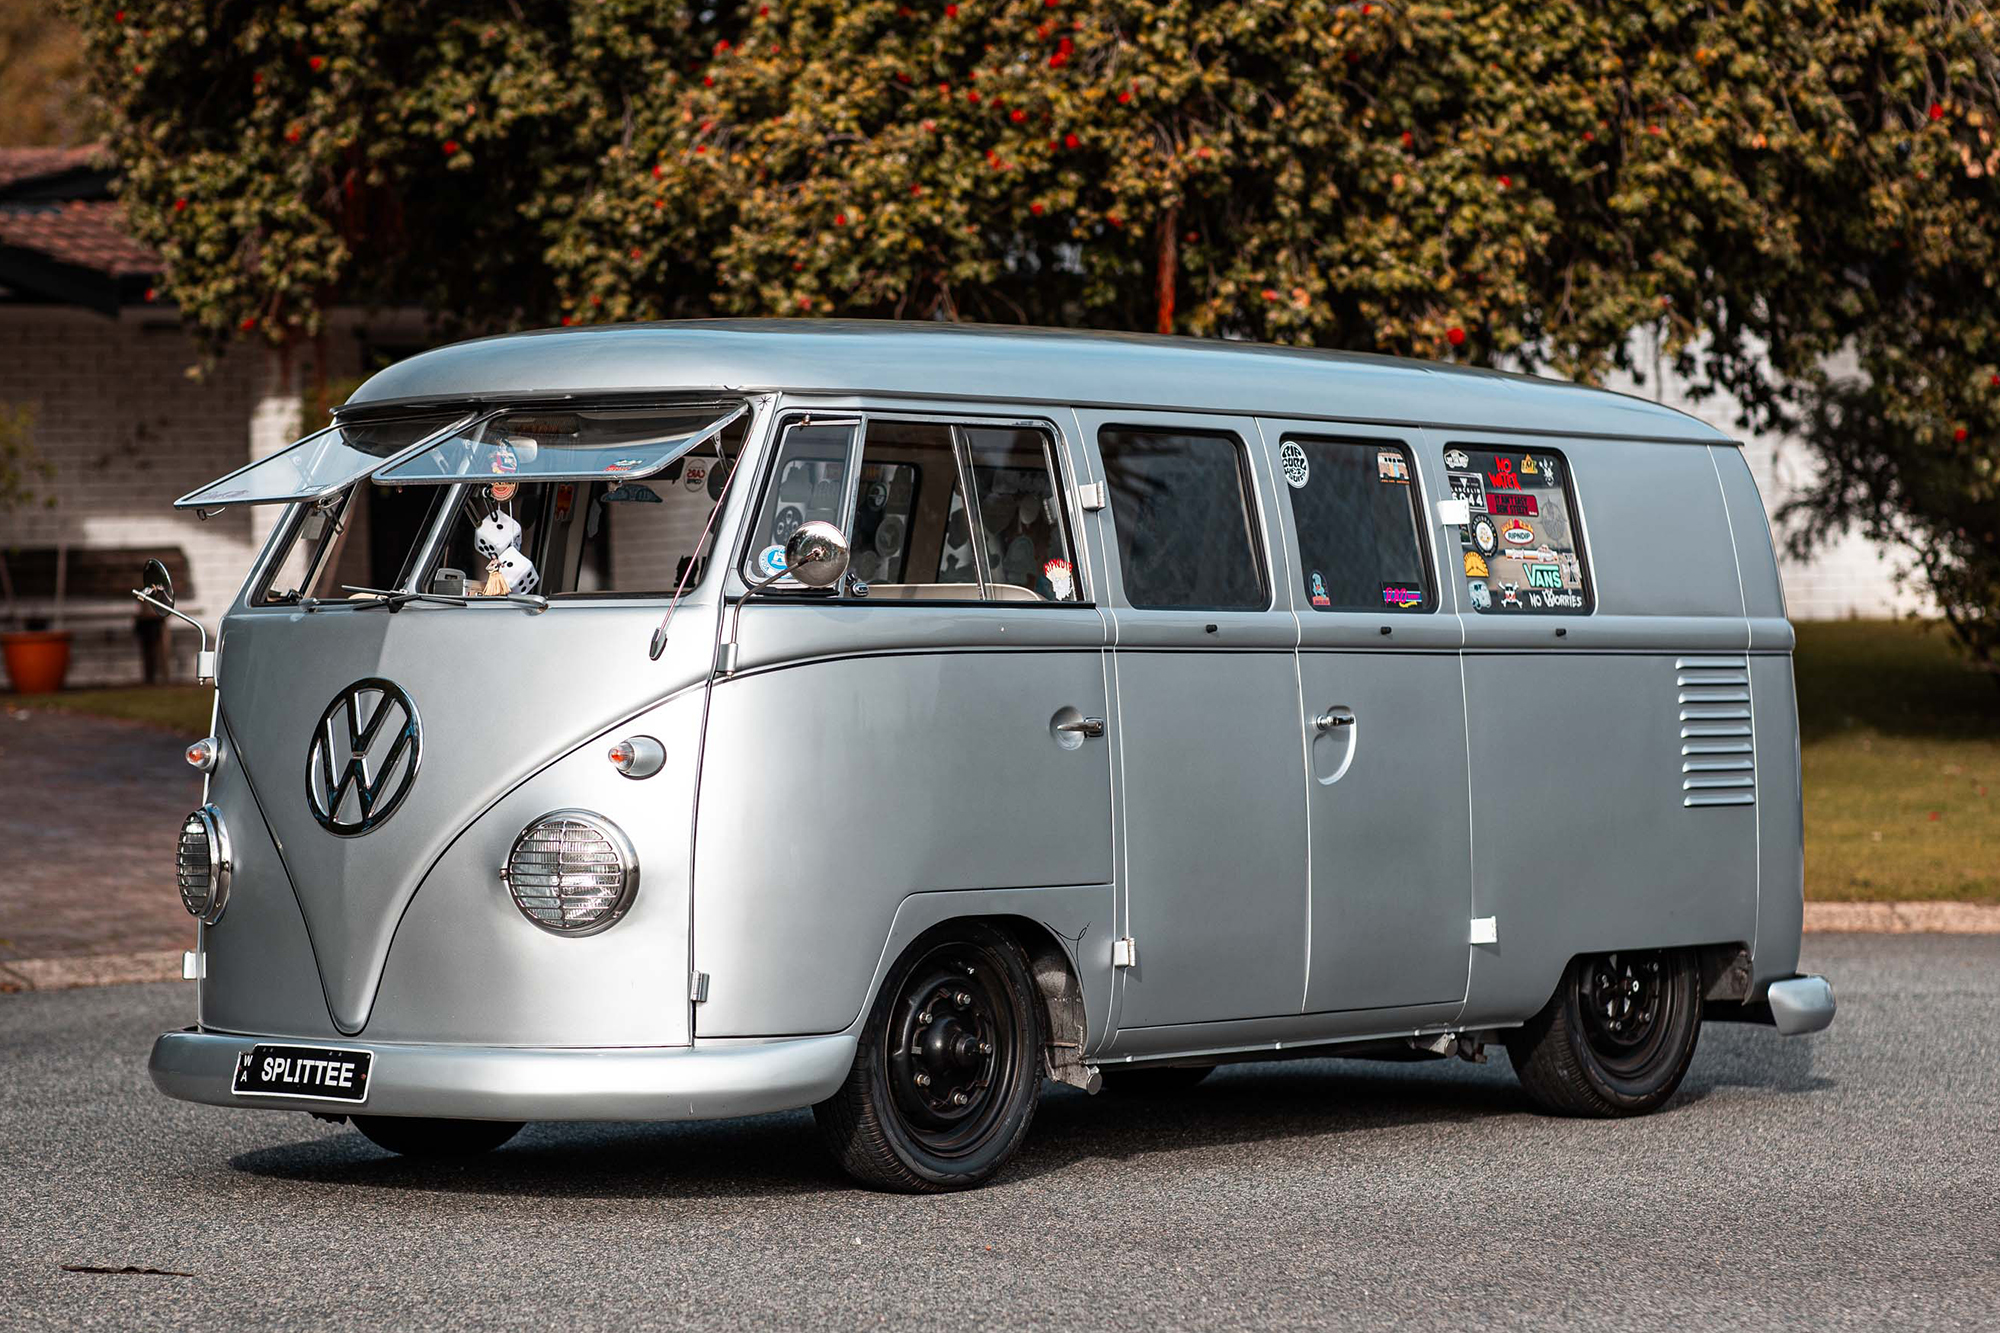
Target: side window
x=1360 y=539
x=1522 y=552
x=1020 y=509
x=808 y=482
x=913 y=532
x=1180 y=506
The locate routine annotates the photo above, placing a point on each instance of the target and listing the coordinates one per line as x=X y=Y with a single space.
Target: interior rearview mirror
x=156 y=582
x=816 y=554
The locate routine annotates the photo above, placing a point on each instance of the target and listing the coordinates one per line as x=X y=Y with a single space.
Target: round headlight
x=201 y=864
x=572 y=872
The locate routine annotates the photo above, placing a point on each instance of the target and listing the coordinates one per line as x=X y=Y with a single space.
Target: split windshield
x=608 y=537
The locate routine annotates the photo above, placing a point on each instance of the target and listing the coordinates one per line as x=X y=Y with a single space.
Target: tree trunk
x=1170 y=262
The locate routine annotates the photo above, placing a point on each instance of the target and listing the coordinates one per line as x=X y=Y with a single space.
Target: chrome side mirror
x=816 y=554
x=155 y=580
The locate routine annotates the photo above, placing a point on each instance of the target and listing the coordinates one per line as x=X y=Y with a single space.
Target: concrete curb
x=1903 y=918
x=117 y=969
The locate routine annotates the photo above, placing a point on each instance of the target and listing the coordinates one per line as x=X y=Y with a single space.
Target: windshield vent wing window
x=321 y=463
x=562 y=444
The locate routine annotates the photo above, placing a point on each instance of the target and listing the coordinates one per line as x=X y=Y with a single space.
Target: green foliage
x=1775 y=186
x=287 y=156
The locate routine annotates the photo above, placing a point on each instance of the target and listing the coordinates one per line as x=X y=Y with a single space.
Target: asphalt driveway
x=1848 y=1180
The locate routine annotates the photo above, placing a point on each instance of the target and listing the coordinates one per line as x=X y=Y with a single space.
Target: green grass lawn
x=1901 y=750
x=182 y=709
x=1902 y=764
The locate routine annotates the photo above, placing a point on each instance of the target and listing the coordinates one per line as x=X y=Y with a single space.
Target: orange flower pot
x=37 y=660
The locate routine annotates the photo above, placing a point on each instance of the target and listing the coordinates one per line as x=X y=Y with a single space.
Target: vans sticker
x=1455 y=458
x=1545 y=576
x=1517 y=533
x=1402 y=596
x=1468 y=486
x=1292 y=462
x=1502 y=477
x=1475 y=566
x=1319 y=597
x=1482 y=600
x=1390 y=465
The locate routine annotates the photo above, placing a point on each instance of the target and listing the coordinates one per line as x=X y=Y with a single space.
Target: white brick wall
x=129 y=430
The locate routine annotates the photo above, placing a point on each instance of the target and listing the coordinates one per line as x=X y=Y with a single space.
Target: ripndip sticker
x=1292 y=460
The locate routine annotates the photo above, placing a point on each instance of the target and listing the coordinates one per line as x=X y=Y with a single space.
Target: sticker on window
x=1521 y=550
x=1390 y=465
x=1402 y=596
x=1292 y=459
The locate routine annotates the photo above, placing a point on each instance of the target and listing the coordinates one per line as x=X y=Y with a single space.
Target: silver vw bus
x=704 y=719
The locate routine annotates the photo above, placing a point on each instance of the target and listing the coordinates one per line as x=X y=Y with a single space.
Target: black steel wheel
x=948 y=1069
x=415 y=1136
x=1617 y=1036
x=1154 y=1080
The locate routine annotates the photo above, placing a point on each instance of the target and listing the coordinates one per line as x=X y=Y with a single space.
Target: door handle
x=1091 y=727
x=1328 y=721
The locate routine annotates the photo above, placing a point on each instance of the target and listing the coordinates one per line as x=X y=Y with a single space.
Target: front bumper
x=711 y=1081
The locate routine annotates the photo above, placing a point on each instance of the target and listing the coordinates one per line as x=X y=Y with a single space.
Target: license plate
x=314 y=1072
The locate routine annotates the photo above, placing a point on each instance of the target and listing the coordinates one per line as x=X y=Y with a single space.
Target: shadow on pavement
x=780 y=1155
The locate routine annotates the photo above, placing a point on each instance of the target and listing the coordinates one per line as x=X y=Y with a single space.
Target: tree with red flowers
x=292 y=155
x=1773 y=189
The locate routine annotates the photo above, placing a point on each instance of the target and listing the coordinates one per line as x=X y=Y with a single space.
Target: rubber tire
x=1159 y=1081
x=418 y=1137
x=860 y=1123
x=1564 y=1076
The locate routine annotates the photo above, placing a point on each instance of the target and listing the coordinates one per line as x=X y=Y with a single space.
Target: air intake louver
x=1718 y=736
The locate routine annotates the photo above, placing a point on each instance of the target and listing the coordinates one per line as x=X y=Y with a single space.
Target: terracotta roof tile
x=88 y=234
x=20 y=164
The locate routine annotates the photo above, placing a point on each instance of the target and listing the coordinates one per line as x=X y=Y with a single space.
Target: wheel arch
x=1063 y=932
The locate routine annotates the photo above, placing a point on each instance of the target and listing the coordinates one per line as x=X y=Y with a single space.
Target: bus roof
x=1018 y=365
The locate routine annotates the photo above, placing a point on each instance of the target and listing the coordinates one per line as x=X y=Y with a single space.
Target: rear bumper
x=711 y=1081
x=1793 y=1005
x=1800 y=1005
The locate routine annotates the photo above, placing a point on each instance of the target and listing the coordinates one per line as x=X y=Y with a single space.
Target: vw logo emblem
x=364 y=756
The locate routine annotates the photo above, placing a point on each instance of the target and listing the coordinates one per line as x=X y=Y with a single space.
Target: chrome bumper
x=711 y=1081
x=1800 y=1005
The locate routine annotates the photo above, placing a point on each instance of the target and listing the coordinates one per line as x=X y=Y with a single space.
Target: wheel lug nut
x=923 y=1079
x=924 y=1017
x=962 y=998
x=986 y=1048
x=959 y=1099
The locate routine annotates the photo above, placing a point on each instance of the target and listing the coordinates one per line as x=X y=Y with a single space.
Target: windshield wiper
x=396 y=600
